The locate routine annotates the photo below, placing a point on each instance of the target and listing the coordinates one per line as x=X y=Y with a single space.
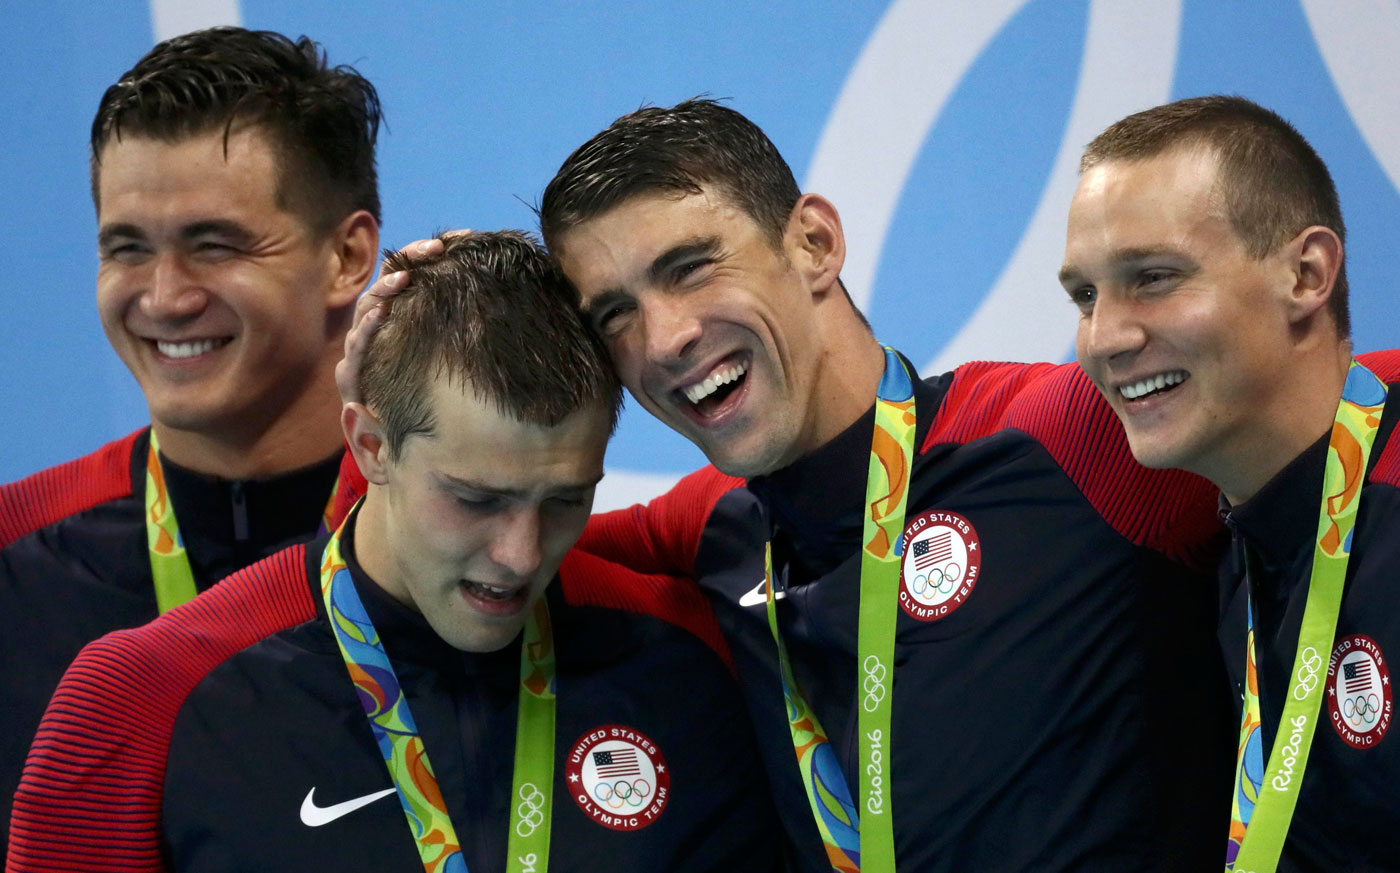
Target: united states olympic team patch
x=942 y=559
x=1358 y=691
x=618 y=777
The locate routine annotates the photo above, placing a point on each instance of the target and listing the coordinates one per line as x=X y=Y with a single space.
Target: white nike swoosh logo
x=759 y=595
x=314 y=816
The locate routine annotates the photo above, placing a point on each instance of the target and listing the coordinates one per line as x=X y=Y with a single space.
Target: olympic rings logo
x=1363 y=708
x=1307 y=673
x=530 y=812
x=623 y=793
x=874 y=683
x=926 y=586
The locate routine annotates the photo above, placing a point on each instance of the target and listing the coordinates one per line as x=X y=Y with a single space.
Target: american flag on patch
x=1357 y=675
x=932 y=551
x=617 y=763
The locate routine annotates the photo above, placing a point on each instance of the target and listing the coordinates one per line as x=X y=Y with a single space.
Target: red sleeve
x=592 y=581
x=1170 y=511
x=58 y=492
x=662 y=536
x=90 y=797
x=1386 y=366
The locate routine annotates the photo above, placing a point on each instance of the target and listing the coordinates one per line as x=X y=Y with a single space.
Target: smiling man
x=978 y=646
x=1205 y=253
x=237 y=209
x=411 y=691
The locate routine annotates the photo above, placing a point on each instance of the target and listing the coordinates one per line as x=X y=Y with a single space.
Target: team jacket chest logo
x=941 y=563
x=618 y=777
x=1358 y=691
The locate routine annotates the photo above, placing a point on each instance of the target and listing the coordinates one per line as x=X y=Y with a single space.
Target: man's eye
x=485 y=505
x=214 y=249
x=1084 y=297
x=123 y=253
x=611 y=319
x=690 y=268
x=1153 y=277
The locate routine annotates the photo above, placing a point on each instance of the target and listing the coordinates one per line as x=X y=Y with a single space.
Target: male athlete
x=979 y=628
x=1205 y=253
x=237 y=210
x=411 y=691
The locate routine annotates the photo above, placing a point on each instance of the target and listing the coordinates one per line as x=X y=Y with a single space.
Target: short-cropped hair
x=1273 y=182
x=495 y=315
x=695 y=143
x=322 y=121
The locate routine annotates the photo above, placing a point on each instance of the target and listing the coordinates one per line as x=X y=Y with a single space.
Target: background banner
x=947 y=133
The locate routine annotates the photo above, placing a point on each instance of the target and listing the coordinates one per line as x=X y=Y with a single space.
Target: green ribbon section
x=853 y=844
x=405 y=757
x=170 y=566
x=1349 y=450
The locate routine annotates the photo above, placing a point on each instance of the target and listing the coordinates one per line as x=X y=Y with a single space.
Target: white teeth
x=1151 y=384
x=188 y=349
x=711 y=384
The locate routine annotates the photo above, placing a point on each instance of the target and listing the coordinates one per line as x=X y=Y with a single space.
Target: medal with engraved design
x=941 y=564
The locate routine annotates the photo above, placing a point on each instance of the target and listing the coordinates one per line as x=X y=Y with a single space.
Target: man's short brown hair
x=321 y=120
x=494 y=314
x=1273 y=182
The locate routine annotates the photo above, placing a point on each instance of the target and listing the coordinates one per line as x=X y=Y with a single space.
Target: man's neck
x=1305 y=412
x=302 y=432
x=848 y=376
x=373 y=546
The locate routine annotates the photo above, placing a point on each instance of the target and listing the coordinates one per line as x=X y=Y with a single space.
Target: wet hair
x=321 y=121
x=692 y=144
x=1273 y=182
x=494 y=314
x=678 y=151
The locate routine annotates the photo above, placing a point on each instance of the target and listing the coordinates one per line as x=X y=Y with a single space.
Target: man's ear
x=354 y=252
x=1315 y=257
x=365 y=436
x=815 y=242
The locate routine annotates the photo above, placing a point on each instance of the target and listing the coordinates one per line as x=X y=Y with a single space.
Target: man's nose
x=173 y=291
x=671 y=327
x=516 y=547
x=1113 y=330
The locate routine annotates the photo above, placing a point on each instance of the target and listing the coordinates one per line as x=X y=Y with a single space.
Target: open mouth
x=493 y=598
x=1153 y=386
x=708 y=395
x=189 y=348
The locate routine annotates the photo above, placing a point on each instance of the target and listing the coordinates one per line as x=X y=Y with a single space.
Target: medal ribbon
x=170 y=566
x=404 y=755
x=847 y=841
x=1262 y=811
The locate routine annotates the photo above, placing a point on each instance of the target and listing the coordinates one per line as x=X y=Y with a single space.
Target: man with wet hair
x=273 y=723
x=965 y=622
x=1205 y=252
x=237 y=208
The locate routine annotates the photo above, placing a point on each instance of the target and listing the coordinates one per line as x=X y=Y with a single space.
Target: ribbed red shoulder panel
x=90 y=798
x=352 y=487
x=54 y=494
x=977 y=400
x=662 y=536
x=1170 y=511
x=592 y=581
x=1058 y=406
x=1386 y=366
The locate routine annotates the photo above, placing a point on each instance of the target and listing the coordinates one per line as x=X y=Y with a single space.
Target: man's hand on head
x=370 y=310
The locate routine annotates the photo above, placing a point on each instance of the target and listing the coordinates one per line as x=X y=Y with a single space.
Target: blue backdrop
x=945 y=132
